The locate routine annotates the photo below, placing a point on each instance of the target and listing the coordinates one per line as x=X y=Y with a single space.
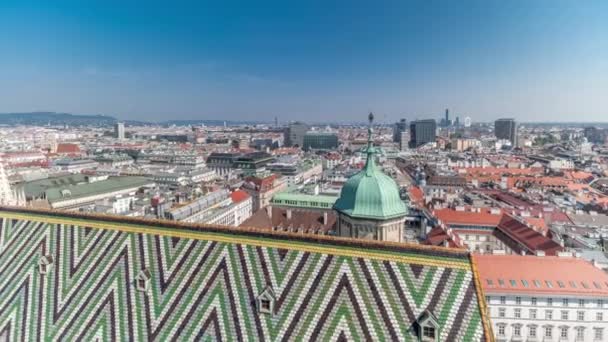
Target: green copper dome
x=370 y=193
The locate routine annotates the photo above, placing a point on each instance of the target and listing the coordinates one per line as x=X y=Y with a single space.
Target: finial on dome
x=370 y=117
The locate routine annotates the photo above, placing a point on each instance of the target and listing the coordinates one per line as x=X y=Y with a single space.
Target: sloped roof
x=307 y=221
x=204 y=281
x=524 y=235
x=540 y=275
x=239 y=196
x=66 y=148
x=471 y=218
x=55 y=194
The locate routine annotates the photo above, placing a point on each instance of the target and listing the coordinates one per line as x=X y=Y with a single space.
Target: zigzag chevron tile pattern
x=207 y=289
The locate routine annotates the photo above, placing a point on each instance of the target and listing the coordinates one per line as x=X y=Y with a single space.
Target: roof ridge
x=168 y=227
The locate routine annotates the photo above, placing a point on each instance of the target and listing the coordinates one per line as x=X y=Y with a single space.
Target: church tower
x=369 y=206
x=6 y=195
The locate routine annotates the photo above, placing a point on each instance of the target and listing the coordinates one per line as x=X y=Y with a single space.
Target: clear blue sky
x=309 y=60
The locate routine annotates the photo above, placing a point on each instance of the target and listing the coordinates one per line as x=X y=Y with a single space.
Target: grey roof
x=589 y=220
x=38 y=187
x=88 y=189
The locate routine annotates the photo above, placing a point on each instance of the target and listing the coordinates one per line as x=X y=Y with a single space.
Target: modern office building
x=294 y=134
x=544 y=298
x=315 y=140
x=119 y=130
x=422 y=132
x=506 y=129
x=399 y=128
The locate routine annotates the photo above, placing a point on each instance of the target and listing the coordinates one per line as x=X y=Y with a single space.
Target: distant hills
x=52 y=118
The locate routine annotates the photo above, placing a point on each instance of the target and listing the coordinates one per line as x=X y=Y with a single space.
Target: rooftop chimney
x=269 y=211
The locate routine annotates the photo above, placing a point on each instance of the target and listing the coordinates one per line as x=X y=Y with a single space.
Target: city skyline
x=533 y=61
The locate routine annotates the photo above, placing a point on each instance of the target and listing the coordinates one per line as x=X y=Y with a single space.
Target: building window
x=502 y=312
x=44 y=264
x=266 y=301
x=580 y=333
x=142 y=281
x=548 y=314
x=549 y=332
x=565 y=302
x=517 y=330
x=580 y=315
x=532 y=331
x=518 y=300
x=599 y=316
x=581 y=303
x=532 y=313
x=563 y=332
x=598 y=334
x=549 y=301
x=517 y=313
x=265 y=305
x=534 y=301
x=600 y=303
x=501 y=330
x=503 y=300
x=428 y=332
x=564 y=315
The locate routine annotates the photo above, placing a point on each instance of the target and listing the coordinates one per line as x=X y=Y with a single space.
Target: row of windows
x=564 y=315
x=549 y=301
x=598 y=333
x=548 y=283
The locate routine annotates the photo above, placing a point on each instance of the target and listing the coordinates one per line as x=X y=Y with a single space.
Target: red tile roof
x=483 y=218
x=68 y=148
x=543 y=275
x=305 y=221
x=416 y=194
x=438 y=237
x=262 y=184
x=526 y=236
x=239 y=196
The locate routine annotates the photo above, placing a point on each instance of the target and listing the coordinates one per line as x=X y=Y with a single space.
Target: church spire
x=370 y=163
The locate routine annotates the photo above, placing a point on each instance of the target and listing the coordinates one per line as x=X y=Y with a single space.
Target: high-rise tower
x=119 y=130
x=506 y=129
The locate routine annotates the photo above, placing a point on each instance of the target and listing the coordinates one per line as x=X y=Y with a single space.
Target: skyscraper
x=422 y=132
x=294 y=134
x=398 y=128
x=506 y=129
x=119 y=130
x=315 y=140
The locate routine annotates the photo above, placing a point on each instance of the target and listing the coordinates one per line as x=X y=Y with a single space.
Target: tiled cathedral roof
x=68 y=276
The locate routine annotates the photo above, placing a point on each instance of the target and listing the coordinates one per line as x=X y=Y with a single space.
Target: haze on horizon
x=316 y=60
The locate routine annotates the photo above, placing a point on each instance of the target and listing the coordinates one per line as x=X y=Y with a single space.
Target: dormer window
x=265 y=305
x=266 y=301
x=44 y=264
x=428 y=332
x=427 y=327
x=142 y=281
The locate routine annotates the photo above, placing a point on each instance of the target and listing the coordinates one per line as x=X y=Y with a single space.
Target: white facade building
x=6 y=194
x=541 y=298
